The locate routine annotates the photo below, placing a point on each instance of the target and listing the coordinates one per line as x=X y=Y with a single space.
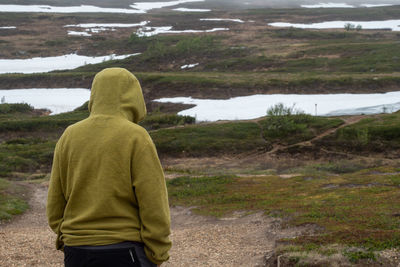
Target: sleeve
x=152 y=197
x=55 y=198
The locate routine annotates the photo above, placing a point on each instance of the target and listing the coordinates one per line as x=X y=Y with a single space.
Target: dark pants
x=132 y=256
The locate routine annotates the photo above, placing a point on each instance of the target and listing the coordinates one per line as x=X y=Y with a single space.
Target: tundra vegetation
x=339 y=174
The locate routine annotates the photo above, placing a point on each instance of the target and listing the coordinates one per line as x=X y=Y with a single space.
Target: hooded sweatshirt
x=107 y=184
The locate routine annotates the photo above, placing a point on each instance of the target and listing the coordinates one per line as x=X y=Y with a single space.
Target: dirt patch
x=239 y=240
x=27 y=240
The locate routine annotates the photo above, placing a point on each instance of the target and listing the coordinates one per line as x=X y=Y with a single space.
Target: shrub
x=285 y=121
x=280 y=110
x=289 y=125
x=6 y=108
x=356 y=256
x=349 y=26
x=156 y=121
x=84 y=107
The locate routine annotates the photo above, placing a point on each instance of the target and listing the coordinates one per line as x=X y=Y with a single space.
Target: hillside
x=307 y=190
x=252 y=165
x=251 y=57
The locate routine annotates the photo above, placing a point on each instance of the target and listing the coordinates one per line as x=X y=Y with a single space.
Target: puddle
x=56 y=100
x=7 y=27
x=46 y=64
x=393 y=25
x=255 y=106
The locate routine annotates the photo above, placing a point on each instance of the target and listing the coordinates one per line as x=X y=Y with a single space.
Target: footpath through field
x=197 y=240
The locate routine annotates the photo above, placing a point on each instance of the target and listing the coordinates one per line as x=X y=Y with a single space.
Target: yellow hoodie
x=107 y=184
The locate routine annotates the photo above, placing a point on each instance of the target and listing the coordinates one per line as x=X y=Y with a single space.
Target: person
x=107 y=198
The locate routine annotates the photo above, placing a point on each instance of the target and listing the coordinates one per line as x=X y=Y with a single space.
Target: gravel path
x=27 y=240
x=197 y=240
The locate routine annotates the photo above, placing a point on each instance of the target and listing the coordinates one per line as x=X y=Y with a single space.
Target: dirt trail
x=347 y=121
x=197 y=241
x=27 y=240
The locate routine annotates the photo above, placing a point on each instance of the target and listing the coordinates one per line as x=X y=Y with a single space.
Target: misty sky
x=208 y=3
x=297 y=3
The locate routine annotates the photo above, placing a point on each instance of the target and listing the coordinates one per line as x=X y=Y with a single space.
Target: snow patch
x=191 y=10
x=216 y=19
x=108 y=25
x=328 y=5
x=255 y=106
x=385 y=108
x=189 y=66
x=78 y=33
x=66 y=9
x=56 y=100
x=394 y=25
x=147 y=6
x=46 y=64
x=151 y=31
x=375 y=5
x=100 y=27
x=136 y=8
x=8 y=27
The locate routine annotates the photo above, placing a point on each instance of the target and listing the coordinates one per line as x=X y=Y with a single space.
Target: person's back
x=107 y=184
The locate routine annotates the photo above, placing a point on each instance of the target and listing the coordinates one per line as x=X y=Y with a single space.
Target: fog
x=291 y=3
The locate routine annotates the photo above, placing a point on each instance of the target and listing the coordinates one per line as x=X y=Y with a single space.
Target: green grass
x=184 y=187
x=162 y=50
x=26 y=155
x=49 y=123
x=356 y=256
x=156 y=119
x=357 y=57
x=376 y=134
x=295 y=33
x=159 y=120
x=291 y=129
x=15 y=108
x=242 y=63
x=11 y=202
x=356 y=209
x=29 y=154
x=212 y=139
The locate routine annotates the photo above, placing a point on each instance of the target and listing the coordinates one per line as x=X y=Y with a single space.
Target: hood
x=117 y=92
